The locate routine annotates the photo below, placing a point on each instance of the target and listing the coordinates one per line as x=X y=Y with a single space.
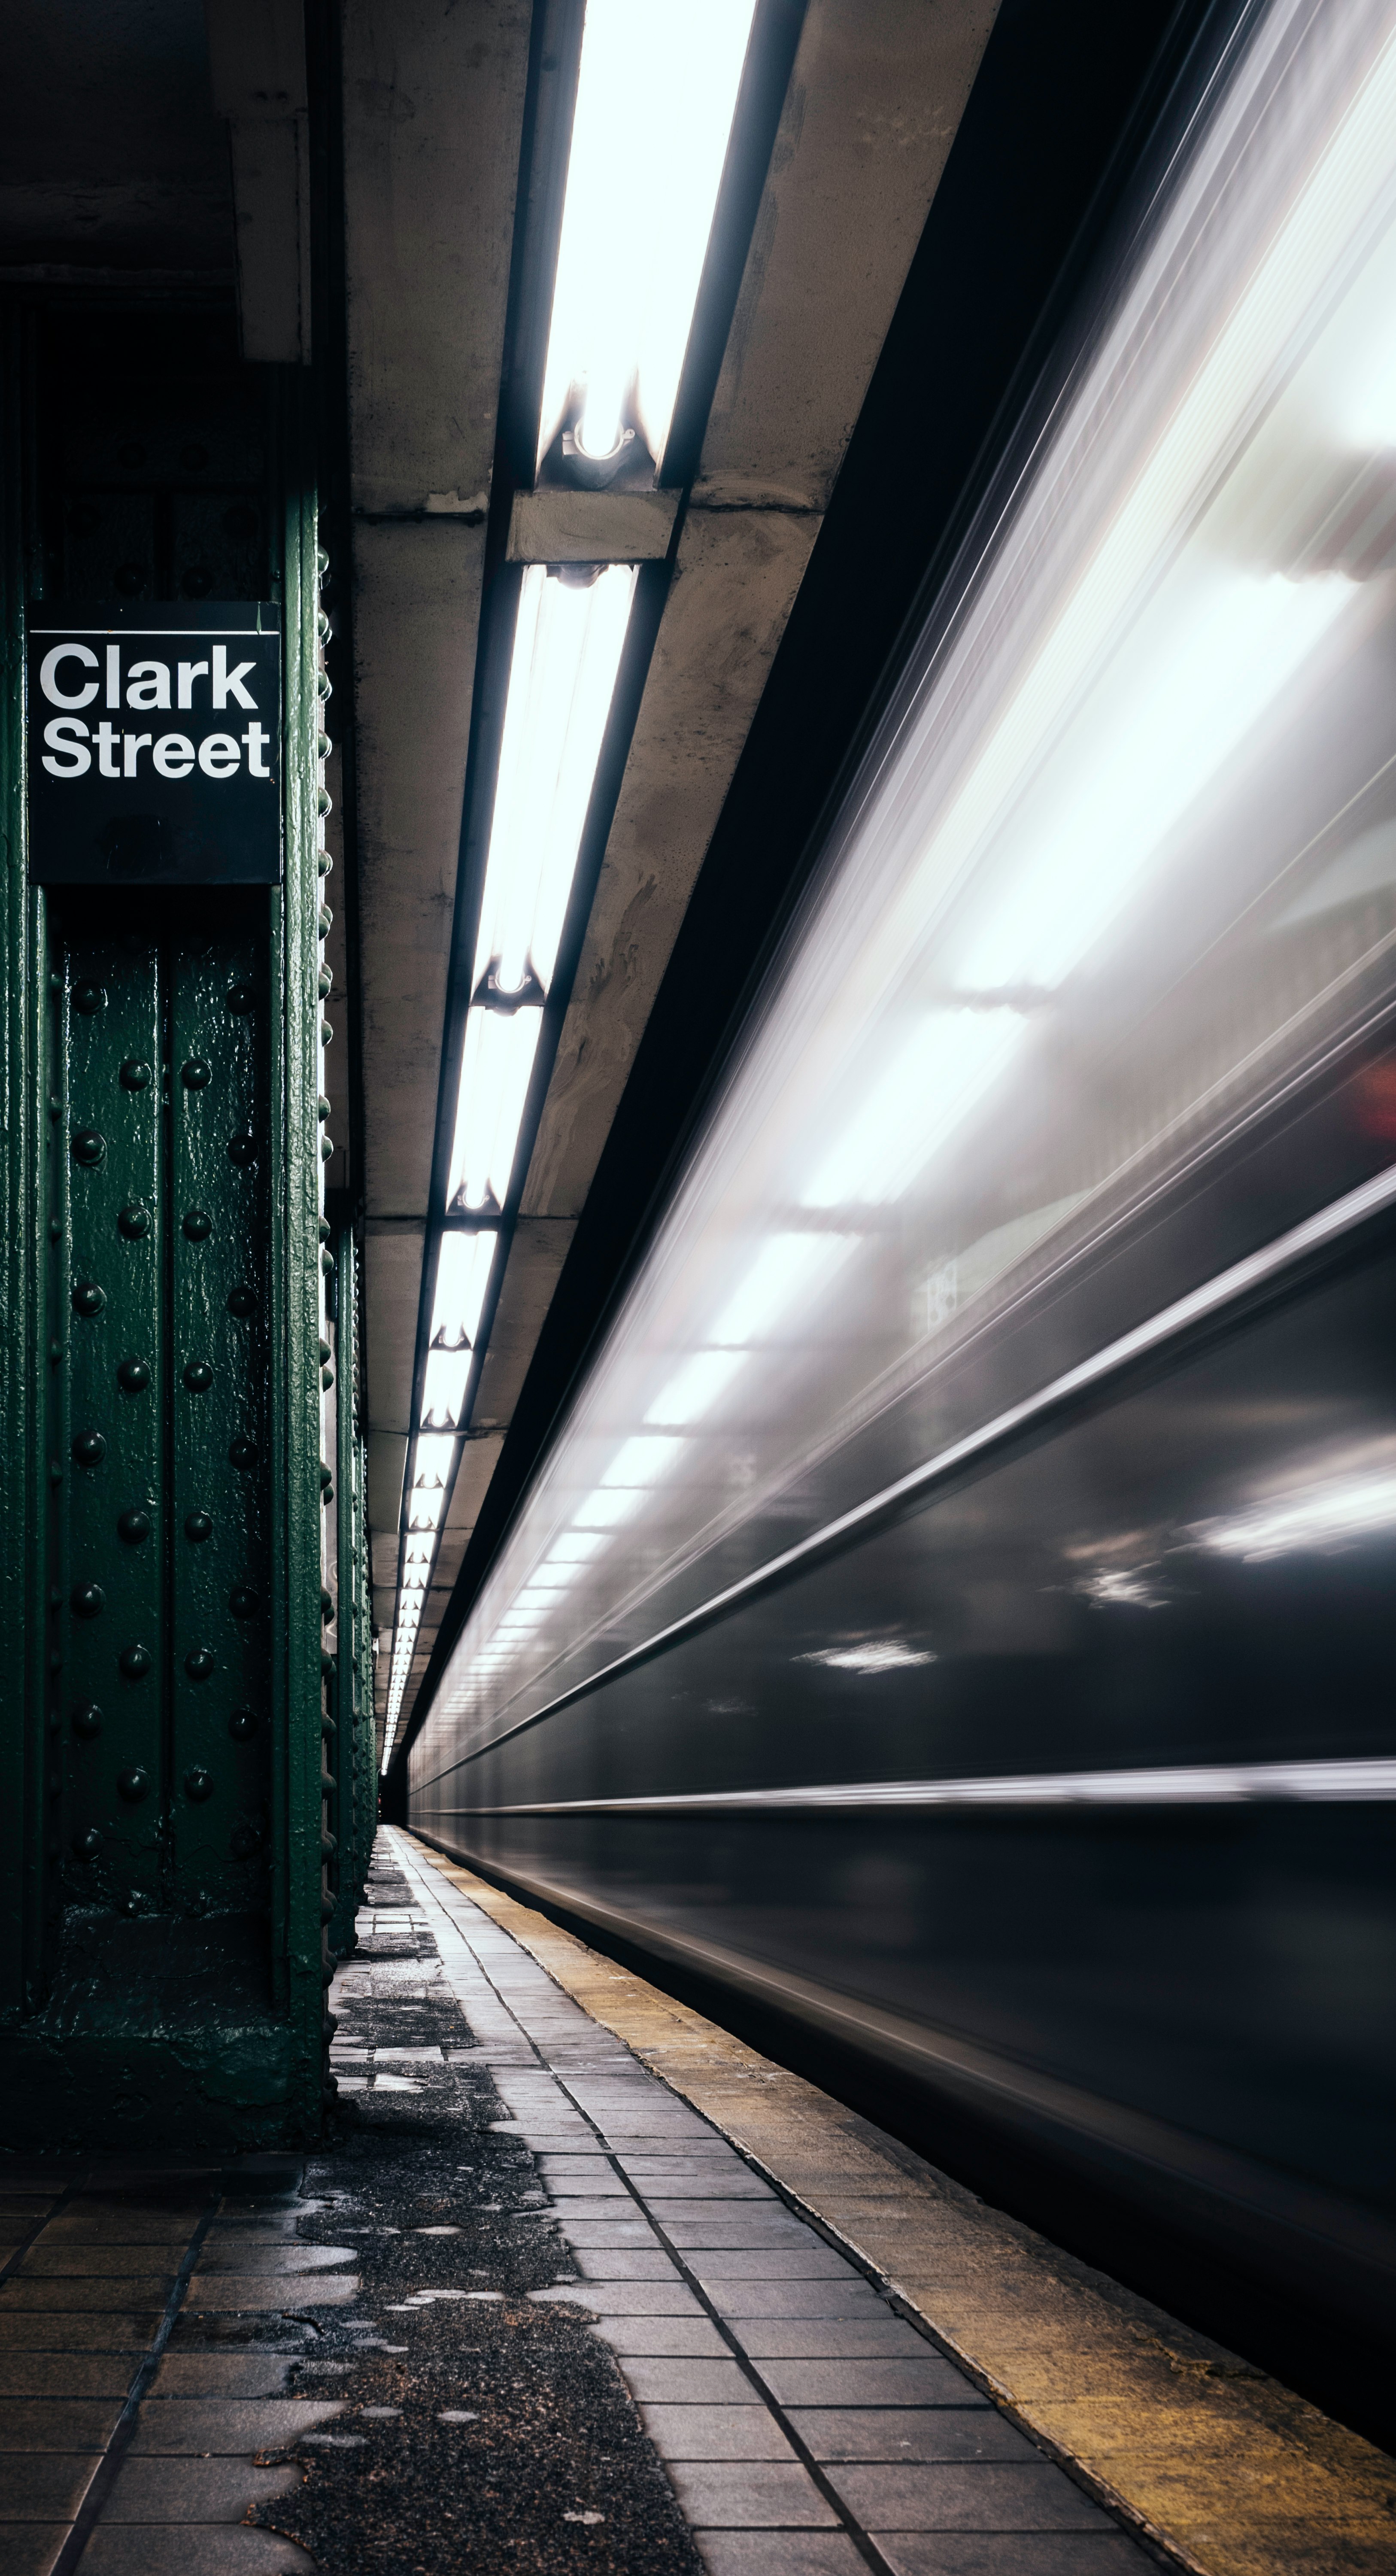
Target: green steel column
x=366 y=1722
x=365 y=1726
x=297 y=1295
x=345 y=1749
x=24 y=1494
x=162 y=1959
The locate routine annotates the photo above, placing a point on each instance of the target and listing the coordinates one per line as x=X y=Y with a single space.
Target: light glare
x=695 y=1388
x=655 y=98
x=443 y=1395
x=562 y=677
x=642 y=1461
x=498 y=1060
x=787 y=1267
x=462 y=1276
x=937 y=1074
x=1232 y=651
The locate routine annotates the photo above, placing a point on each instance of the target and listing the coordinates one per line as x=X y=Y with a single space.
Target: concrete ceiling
x=433 y=120
x=113 y=164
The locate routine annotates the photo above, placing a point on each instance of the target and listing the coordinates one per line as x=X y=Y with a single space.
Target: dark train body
x=954 y=1620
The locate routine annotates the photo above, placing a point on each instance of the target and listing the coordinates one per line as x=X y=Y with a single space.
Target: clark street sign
x=154 y=741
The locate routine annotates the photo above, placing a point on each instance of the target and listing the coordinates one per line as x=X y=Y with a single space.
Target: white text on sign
x=73 y=675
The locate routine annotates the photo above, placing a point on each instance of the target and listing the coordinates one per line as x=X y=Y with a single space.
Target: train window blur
x=1121 y=874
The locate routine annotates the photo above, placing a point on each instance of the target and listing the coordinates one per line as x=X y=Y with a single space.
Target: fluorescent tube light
x=498 y=1061
x=443 y=1395
x=567 y=647
x=562 y=677
x=656 y=93
x=462 y=1276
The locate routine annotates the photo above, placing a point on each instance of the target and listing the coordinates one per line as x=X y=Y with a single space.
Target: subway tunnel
x=699 y=1463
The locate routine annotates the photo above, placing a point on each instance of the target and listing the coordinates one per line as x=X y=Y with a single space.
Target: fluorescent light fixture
x=656 y=93
x=443 y=1393
x=462 y=1276
x=787 y=1268
x=695 y=1388
x=498 y=1060
x=426 y=1503
x=567 y=647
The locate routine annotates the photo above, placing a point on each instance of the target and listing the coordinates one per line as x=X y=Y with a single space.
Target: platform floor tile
x=807 y=2427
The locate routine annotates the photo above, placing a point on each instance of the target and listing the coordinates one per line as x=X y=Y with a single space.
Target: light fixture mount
x=595 y=473
x=491 y=995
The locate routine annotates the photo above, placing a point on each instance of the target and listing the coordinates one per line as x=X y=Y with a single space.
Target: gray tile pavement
x=909 y=2433
x=951 y=2497
x=57 y=2423
x=780 y=2553
x=1010 y=2554
x=136 y=2549
x=222 y=2424
x=754 y=2496
x=187 y=2490
x=879 y=2337
x=699 y=2432
x=918 y=2381
x=796 y=2411
x=643 y=2338
x=689 y=2383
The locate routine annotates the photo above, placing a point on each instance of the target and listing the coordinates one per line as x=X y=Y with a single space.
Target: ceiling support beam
x=257 y=62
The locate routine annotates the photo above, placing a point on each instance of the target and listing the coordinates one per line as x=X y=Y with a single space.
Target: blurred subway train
x=954 y=1617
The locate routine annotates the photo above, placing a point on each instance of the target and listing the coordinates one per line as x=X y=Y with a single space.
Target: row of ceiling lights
x=618 y=333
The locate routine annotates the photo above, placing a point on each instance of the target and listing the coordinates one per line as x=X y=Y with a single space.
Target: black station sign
x=154 y=739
